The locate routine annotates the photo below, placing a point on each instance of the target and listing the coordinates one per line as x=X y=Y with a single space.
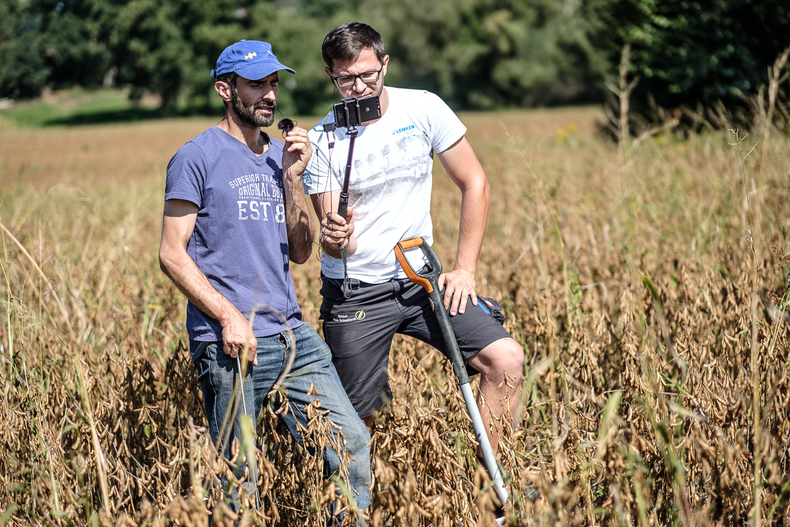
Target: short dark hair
x=346 y=42
x=229 y=77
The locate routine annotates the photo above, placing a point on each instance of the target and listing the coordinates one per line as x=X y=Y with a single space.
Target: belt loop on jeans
x=285 y=340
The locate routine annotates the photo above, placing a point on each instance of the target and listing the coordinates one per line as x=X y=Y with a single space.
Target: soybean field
x=646 y=277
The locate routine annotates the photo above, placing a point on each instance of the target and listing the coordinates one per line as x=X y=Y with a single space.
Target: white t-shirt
x=390 y=185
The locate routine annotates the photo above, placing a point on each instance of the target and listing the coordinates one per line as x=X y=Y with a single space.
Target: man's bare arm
x=177 y=227
x=299 y=224
x=465 y=170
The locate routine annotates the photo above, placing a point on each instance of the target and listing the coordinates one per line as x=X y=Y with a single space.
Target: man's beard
x=248 y=115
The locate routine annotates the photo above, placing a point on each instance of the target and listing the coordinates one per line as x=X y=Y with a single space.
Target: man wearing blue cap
x=390 y=194
x=234 y=218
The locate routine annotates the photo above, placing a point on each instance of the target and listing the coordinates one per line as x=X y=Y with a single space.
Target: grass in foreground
x=632 y=291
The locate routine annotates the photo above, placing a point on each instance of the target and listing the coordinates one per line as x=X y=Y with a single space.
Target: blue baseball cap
x=251 y=59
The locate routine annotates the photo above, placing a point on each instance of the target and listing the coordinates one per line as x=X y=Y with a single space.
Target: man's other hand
x=335 y=229
x=458 y=286
x=237 y=336
x=296 y=152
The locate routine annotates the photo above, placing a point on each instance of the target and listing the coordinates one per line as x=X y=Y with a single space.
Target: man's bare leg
x=494 y=362
x=505 y=356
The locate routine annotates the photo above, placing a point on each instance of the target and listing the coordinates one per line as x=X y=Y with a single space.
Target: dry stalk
x=101 y=463
x=63 y=312
x=680 y=448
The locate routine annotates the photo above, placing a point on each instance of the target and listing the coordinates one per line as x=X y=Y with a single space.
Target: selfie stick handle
x=343 y=205
x=342 y=208
x=429 y=281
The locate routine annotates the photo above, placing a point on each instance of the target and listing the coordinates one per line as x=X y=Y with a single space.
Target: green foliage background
x=477 y=54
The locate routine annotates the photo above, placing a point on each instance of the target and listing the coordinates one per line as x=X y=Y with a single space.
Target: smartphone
x=353 y=112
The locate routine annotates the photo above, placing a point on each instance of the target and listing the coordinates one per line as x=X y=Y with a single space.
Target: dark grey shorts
x=360 y=329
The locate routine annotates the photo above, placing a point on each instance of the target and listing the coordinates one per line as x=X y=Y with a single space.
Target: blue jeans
x=218 y=373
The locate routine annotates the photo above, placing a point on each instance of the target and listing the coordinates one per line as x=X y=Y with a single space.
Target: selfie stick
x=348 y=103
x=428 y=281
x=342 y=207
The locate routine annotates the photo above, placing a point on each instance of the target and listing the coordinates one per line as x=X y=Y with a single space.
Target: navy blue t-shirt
x=240 y=241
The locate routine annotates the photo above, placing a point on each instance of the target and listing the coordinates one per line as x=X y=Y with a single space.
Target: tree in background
x=23 y=69
x=693 y=53
x=476 y=54
x=51 y=43
x=484 y=54
x=72 y=40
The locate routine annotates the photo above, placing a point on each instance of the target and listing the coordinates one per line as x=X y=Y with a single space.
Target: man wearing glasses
x=390 y=197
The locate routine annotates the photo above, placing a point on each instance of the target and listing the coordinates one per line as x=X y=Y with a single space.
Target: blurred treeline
x=477 y=54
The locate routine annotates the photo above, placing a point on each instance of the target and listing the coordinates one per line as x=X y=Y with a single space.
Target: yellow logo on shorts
x=348 y=317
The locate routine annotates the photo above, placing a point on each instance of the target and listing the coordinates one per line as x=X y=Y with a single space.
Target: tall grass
x=648 y=360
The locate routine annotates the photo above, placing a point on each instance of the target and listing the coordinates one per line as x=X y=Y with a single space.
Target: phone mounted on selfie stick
x=350 y=113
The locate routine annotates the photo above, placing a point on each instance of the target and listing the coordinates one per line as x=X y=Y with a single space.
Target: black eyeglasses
x=368 y=77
